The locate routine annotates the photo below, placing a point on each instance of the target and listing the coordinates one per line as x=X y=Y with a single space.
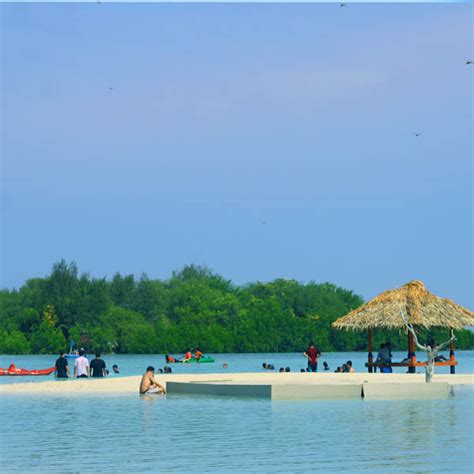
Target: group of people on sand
x=82 y=368
x=149 y=385
x=98 y=368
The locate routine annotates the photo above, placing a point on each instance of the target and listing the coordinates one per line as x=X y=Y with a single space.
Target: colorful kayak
x=12 y=370
x=201 y=360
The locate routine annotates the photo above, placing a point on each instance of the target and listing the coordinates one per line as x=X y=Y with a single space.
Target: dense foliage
x=195 y=307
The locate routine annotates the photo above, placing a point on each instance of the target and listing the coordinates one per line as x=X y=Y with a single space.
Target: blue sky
x=263 y=141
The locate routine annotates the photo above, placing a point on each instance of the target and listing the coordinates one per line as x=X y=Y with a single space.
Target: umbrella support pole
x=411 y=353
x=452 y=357
x=370 y=356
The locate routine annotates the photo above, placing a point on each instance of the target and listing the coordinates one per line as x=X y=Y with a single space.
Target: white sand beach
x=128 y=385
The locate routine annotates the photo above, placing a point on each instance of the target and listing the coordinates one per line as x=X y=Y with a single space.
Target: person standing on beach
x=149 y=385
x=98 y=367
x=62 y=367
x=312 y=354
x=81 y=365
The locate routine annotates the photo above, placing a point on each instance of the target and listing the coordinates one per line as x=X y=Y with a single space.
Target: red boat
x=13 y=370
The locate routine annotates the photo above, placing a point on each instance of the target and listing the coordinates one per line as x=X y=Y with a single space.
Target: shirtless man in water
x=149 y=384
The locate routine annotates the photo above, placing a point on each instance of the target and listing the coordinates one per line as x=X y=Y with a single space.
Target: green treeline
x=195 y=307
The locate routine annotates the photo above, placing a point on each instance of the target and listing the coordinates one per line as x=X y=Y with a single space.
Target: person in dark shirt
x=115 y=369
x=98 y=367
x=384 y=358
x=62 y=367
x=312 y=354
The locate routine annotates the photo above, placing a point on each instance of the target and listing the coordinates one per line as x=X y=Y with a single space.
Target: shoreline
x=129 y=384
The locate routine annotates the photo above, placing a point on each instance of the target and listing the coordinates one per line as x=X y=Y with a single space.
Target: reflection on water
x=211 y=434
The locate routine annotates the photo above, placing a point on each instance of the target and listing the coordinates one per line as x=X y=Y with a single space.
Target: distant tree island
x=195 y=307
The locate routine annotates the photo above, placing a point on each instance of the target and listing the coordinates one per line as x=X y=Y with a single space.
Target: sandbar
x=129 y=385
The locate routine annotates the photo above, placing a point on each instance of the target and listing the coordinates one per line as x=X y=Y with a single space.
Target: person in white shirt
x=81 y=366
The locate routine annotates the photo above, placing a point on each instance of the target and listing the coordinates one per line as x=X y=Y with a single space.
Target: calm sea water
x=136 y=364
x=177 y=433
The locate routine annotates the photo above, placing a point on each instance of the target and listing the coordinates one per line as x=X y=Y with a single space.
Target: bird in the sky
x=110 y=88
x=342 y=4
x=469 y=62
x=417 y=134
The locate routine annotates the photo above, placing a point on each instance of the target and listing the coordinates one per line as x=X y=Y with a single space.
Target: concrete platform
x=220 y=389
x=316 y=392
x=392 y=391
x=274 y=392
x=280 y=390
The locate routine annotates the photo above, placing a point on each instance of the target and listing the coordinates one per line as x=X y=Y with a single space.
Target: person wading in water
x=312 y=354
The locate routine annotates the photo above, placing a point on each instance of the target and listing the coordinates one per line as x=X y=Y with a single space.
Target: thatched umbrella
x=422 y=309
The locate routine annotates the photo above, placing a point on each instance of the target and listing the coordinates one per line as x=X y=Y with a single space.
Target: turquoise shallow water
x=210 y=434
x=203 y=434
